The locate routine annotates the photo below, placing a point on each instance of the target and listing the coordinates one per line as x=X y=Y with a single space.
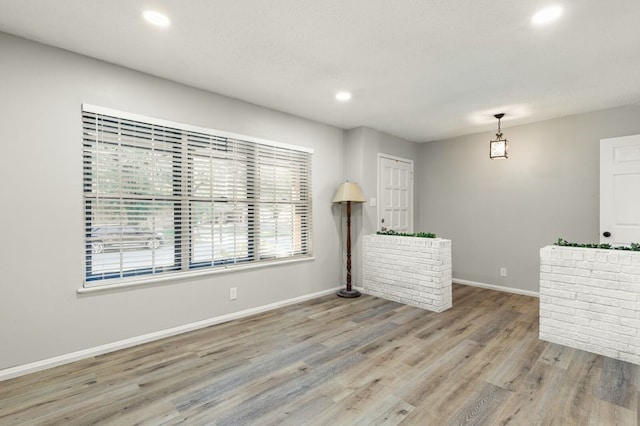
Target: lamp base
x=348 y=293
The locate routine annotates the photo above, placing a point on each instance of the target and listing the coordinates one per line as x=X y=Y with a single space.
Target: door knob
x=606 y=234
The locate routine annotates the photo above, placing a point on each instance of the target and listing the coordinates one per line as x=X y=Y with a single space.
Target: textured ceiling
x=422 y=70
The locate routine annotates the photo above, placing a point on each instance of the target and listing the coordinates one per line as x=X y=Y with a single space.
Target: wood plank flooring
x=333 y=361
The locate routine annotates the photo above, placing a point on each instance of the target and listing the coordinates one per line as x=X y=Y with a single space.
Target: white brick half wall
x=411 y=270
x=590 y=300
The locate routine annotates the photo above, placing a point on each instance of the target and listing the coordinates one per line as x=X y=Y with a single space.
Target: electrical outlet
x=233 y=293
x=503 y=272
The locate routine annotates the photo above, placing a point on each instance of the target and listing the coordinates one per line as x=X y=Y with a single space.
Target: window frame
x=183 y=200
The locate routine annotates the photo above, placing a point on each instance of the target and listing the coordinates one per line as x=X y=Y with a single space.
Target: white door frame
x=379 y=204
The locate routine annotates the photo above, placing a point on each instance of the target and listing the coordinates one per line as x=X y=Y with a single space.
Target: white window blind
x=161 y=197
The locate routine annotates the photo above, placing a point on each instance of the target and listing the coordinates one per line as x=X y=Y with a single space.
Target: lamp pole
x=348 y=292
x=348 y=245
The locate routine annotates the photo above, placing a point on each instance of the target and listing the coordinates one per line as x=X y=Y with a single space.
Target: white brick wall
x=410 y=270
x=590 y=300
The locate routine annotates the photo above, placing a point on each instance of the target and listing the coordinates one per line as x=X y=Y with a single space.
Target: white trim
x=183 y=126
x=33 y=367
x=176 y=276
x=497 y=287
x=379 y=199
x=393 y=157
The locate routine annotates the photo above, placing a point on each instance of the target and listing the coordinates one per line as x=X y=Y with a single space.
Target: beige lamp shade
x=349 y=191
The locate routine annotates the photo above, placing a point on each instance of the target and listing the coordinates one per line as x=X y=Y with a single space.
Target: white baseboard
x=32 y=367
x=497 y=287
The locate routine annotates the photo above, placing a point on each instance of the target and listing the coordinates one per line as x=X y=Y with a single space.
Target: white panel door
x=620 y=190
x=395 y=191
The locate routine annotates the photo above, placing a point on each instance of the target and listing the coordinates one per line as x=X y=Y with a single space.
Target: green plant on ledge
x=564 y=243
x=404 y=234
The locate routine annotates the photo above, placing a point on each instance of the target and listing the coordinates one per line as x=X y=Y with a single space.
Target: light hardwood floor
x=333 y=361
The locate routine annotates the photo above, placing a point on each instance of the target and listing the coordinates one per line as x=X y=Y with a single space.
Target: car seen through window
x=116 y=237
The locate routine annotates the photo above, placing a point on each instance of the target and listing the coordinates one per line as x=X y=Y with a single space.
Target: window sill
x=150 y=280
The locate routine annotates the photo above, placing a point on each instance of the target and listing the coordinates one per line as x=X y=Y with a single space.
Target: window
x=163 y=197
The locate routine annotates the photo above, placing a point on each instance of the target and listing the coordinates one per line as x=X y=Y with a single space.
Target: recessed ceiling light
x=343 y=96
x=546 y=15
x=156 y=18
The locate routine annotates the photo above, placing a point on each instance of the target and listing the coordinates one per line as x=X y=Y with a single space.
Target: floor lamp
x=348 y=193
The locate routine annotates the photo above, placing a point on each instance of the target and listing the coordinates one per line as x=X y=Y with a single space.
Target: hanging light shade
x=498 y=147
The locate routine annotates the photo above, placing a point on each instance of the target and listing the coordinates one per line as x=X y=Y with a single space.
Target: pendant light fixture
x=498 y=147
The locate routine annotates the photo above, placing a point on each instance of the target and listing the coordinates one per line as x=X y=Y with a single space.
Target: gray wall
x=362 y=146
x=41 y=255
x=501 y=212
x=498 y=213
